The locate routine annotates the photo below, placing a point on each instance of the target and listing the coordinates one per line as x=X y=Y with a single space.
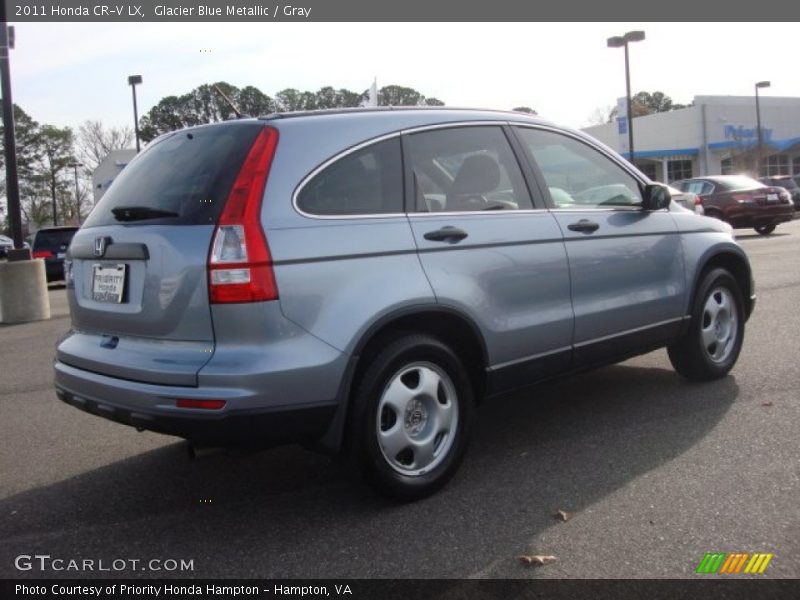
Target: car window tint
x=367 y=181
x=54 y=237
x=190 y=173
x=466 y=169
x=577 y=175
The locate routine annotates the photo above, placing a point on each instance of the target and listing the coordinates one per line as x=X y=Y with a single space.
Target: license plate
x=108 y=283
x=772 y=198
x=60 y=255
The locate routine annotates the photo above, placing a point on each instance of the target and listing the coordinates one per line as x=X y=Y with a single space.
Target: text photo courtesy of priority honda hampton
x=366 y=281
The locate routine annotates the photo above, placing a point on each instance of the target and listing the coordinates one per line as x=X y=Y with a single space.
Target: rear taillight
x=239 y=262
x=43 y=254
x=698 y=206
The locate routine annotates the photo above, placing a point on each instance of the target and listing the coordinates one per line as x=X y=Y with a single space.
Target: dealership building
x=715 y=135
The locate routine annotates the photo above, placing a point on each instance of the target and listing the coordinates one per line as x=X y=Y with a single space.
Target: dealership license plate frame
x=116 y=292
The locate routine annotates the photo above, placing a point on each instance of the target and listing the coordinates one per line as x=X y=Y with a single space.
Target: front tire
x=711 y=346
x=411 y=417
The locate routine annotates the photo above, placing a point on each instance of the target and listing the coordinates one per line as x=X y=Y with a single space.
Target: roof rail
x=368 y=109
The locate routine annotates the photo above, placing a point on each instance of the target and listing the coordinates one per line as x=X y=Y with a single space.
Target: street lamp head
x=634 y=36
x=134 y=79
x=762 y=84
x=616 y=42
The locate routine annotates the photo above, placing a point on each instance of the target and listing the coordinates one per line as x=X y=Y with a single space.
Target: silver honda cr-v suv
x=360 y=279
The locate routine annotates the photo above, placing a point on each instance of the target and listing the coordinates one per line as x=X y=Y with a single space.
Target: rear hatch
x=137 y=270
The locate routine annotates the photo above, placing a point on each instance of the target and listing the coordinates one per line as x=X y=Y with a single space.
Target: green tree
x=28 y=148
x=253 y=102
x=168 y=115
x=289 y=99
x=205 y=105
x=397 y=95
x=649 y=103
x=56 y=154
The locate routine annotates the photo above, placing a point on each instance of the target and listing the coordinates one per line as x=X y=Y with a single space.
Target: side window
x=577 y=175
x=466 y=169
x=699 y=187
x=368 y=181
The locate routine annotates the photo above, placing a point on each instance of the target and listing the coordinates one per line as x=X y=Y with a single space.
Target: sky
x=66 y=73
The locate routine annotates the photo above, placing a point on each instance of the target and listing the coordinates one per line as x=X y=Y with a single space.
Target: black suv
x=51 y=245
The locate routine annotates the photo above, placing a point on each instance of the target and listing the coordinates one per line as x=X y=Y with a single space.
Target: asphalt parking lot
x=655 y=472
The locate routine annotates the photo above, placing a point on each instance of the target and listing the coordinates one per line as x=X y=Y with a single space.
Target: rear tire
x=711 y=346
x=411 y=417
x=764 y=229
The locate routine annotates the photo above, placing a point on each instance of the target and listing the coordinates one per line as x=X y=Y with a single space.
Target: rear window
x=189 y=173
x=784 y=182
x=53 y=237
x=740 y=182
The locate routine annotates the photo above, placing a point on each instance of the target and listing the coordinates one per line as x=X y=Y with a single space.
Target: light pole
x=622 y=42
x=12 y=181
x=760 y=84
x=75 y=166
x=133 y=80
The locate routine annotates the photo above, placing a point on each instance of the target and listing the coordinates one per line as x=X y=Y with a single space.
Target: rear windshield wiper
x=140 y=213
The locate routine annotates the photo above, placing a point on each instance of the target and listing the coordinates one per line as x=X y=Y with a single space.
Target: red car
x=741 y=201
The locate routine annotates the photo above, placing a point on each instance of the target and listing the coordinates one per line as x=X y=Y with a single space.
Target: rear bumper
x=755 y=216
x=152 y=407
x=54 y=269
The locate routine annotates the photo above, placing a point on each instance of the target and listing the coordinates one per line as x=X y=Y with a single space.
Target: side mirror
x=656 y=197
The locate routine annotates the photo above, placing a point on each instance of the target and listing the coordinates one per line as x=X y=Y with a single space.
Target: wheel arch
x=448 y=324
x=737 y=264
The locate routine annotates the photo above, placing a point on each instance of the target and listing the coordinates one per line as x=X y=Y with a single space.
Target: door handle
x=584 y=226
x=446 y=234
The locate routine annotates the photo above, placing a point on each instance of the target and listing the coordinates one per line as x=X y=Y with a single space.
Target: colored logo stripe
x=734 y=563
x=758 y=563
x=711 y=562
x=722 y=563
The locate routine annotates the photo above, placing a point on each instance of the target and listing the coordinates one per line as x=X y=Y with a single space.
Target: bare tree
x=602 y=115
x=95 y=141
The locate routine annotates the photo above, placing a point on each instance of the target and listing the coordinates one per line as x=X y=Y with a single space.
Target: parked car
x=788 y=183
x=358 y=280
x=6 y=244
x=741 y=201
x=50 y=244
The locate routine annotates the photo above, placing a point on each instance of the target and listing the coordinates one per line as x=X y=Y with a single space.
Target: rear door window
x=188 y=175
x=466 y=169
x=368 y=181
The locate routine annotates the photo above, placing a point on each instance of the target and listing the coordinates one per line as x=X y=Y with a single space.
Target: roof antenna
x=230 y=102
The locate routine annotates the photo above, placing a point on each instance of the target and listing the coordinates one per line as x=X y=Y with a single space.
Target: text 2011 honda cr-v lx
x=361 y=279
